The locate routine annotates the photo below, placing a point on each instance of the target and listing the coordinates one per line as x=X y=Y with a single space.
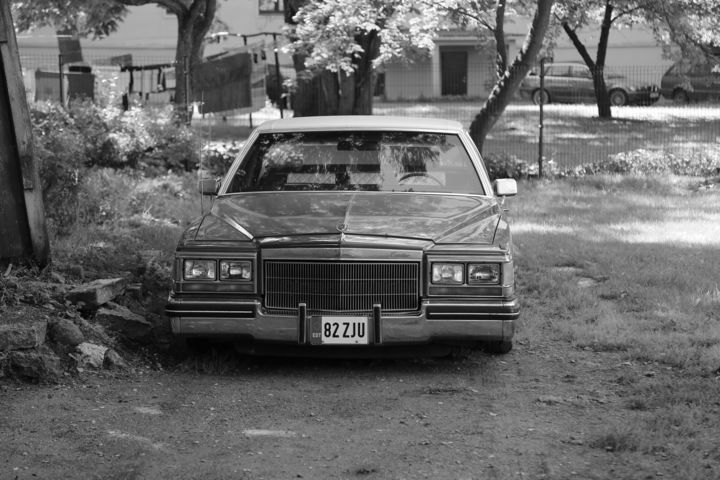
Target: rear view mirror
x=208 y=186
x=505 y=187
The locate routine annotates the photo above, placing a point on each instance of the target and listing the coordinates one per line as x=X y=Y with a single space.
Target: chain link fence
x=654 y=107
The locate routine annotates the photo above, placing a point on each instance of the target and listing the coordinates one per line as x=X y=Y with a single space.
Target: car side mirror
x=505 y=187
x=208 y=186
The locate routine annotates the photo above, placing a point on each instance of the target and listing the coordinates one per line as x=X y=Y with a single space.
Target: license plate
x=344 y=330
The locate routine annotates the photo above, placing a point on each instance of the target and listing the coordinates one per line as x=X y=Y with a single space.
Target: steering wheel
x=420 y=174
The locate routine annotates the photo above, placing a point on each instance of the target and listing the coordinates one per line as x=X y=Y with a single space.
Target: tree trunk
x=507 y=85
x=335 y=93
x=597 y=66
x=500 y=45
x=193 y=25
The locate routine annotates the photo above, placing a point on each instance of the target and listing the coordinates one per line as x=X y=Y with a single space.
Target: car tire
x=538 y=94
x=680 y=96
x=498 y=347
x=618 y=98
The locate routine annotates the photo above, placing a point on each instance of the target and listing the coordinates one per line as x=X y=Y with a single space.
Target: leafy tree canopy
x=326 y=33
x=98 y=18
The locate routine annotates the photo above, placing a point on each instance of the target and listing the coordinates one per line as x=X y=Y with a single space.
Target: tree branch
x=499 y=34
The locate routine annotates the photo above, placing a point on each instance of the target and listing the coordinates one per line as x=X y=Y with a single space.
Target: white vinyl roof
x=360 y=122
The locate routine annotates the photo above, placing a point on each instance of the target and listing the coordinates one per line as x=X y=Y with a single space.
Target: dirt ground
x=527 y=414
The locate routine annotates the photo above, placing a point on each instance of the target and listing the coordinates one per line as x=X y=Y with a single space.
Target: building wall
x=423 y=79
x=409 y=81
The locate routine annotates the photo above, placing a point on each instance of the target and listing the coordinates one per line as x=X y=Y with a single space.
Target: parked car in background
x=686 y=81
x=572 y=83
x=352 y=235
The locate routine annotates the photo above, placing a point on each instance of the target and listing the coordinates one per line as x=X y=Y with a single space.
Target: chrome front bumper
x=436 y=321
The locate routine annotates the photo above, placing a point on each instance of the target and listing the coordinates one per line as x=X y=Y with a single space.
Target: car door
x=582 y=83
x=558 y=84
x=701 y=81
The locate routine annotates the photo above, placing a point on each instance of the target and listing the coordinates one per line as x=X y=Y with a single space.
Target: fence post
x=541 y=126
x=186 y=69
x=60 y=79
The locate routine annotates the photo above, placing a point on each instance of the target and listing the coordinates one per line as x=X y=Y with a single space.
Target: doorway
x=454 y=70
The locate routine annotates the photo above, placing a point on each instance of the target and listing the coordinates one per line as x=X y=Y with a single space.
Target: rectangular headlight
x=488 y=273
x=235 y=270
x=448 y=273
x=199 y=269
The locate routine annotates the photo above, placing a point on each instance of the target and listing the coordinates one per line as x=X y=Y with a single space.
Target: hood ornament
x=341 y=227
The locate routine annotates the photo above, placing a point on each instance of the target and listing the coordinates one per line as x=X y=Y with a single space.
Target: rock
x=93 y=332
x=113 y=360
x=22 y=335
x=90 y=355
x=65 y=332
x=135 y=290
x=97 y=293
x=128 y=324
x=39 y=364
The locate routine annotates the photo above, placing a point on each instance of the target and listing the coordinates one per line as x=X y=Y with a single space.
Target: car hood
x=436 y=217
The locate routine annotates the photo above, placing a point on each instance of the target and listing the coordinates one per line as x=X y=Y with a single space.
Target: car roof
x=360 y=122
x=576 y=64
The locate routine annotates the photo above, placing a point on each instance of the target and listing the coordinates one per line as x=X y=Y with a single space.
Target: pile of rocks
x=70 y=329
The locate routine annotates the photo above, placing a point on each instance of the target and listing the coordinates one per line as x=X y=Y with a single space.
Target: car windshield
x=370 y=161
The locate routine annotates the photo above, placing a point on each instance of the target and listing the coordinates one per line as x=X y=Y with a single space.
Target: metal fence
x=653 y=115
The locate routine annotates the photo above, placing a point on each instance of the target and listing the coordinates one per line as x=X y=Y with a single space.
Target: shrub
x=70 y=142
x=216 y=159
x=60 y=152
x=699 y=163
x=503 y=165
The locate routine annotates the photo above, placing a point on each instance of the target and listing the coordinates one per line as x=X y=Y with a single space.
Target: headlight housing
x=483 y=273
x=199 y=269
x=448 y=273
x=236 y=270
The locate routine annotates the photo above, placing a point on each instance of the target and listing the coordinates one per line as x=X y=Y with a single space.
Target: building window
x=272 y=6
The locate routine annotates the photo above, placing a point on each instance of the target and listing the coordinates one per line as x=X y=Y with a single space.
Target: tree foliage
x=338 y=44
x=98 y=18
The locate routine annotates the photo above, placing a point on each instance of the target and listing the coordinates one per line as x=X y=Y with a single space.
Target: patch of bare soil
x=534 y=413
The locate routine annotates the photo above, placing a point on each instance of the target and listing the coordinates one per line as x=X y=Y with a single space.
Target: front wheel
x=680 y=96
x=618 y=98
x=540 y=96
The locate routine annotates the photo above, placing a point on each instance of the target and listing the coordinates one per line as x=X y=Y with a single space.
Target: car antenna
x=201 y=171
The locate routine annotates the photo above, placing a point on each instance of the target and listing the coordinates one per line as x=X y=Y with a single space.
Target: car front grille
x=342 y=286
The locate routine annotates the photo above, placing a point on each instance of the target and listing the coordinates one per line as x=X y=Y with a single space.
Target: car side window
x=700 y=69
x=579 y=72
x=558 y=71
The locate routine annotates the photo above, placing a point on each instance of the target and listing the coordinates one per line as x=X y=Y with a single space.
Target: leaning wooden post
x=23 y=233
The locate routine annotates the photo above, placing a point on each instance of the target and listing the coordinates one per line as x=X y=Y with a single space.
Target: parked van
x=686 y=81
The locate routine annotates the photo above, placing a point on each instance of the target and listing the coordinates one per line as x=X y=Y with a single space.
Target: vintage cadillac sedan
x=352 y=236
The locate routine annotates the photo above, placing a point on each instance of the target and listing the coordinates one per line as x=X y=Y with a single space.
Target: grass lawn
x=631 y=265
